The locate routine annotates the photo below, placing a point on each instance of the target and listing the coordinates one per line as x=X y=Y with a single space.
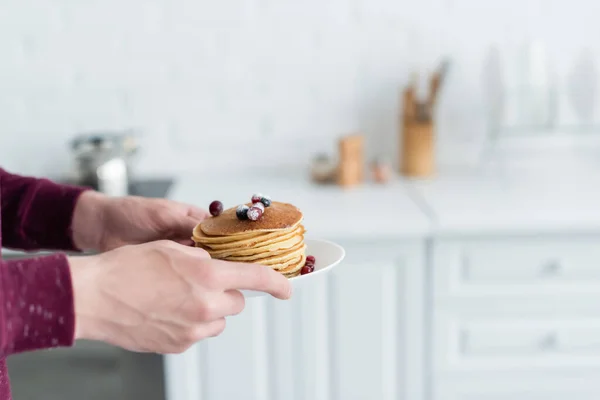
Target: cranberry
x=259 y=205
x=307 y=269
x=256 y=197
x=310 y=259
x=254 y=213
x=215 y=208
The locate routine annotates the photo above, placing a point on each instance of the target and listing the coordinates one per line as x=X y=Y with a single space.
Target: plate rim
x=257 y=294
x=329 y=267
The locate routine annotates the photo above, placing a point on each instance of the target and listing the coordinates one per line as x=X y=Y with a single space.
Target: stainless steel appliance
x=103 y=161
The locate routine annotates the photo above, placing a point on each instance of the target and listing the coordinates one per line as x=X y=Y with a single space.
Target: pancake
x=294 y=268
x=283 y=243
x=283 y=259
x=279 y=216
x=278 y=246
x=283 y=265
x=260 y=240
x=199 y=235
x=275 y=240
x=259 y=257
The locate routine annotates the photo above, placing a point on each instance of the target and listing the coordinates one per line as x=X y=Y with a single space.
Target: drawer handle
x=463 y=342
x=551 y=268
x=549 y=343
x=465 y=270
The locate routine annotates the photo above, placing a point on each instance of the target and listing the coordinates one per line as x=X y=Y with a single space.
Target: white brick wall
x=247 y=81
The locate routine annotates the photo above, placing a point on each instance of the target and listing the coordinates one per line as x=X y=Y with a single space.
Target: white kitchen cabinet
x=356 y=334
x=518 y=313
x=515 y=284
x=518 y=265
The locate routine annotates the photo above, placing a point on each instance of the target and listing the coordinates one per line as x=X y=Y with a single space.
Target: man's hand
x=104 y=223
x=162 y=296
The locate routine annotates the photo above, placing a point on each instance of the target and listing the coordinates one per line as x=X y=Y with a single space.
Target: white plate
x=327 y=256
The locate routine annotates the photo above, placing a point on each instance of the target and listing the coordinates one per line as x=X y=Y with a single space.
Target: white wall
x=250 y=81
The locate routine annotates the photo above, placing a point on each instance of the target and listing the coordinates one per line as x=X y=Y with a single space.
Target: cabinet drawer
x=515 y=344
x=516 y=340
x=524 y=394
x=524 y=386
x=527 y=264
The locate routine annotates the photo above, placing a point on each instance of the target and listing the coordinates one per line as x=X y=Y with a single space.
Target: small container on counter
x=322 y=169
x=350 y=170
x=381 y=170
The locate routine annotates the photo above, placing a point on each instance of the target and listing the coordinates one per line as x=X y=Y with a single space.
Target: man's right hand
x=162 y=296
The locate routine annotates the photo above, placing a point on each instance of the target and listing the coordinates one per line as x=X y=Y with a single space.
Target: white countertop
x=515 y=203
x=330 y=212
x=467 y=203
x=368 y=212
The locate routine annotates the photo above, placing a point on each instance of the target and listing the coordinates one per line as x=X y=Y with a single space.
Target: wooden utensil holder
x=418 y=149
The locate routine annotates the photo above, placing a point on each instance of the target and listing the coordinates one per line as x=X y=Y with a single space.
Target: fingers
x=185 y=338
x=183 y=226
x=179 y=219
x=197 y=214
x=185 y=242
x=214 y=328
x=168 y=245
x=236 y=300
x=231 y=275
x=193 y=217
x=219 y=305
x=222 y=275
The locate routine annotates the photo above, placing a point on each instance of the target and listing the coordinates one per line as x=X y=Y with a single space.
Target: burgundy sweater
x=36 y=295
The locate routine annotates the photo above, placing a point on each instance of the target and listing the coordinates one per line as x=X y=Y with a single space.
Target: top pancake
x=278 y=216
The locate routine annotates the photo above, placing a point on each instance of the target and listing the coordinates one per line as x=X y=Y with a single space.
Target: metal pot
x=103 y=161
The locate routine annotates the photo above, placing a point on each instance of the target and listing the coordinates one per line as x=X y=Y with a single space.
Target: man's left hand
x=104 y=223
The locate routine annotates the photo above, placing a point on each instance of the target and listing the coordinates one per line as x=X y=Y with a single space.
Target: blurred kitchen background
x=452 y=146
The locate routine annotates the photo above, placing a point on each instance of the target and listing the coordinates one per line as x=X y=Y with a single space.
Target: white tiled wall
x=215 y=83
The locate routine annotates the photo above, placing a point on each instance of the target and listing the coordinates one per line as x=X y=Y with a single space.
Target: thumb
x=197 y=214
x=185 y=226
x=179 y=224
x=183 y=231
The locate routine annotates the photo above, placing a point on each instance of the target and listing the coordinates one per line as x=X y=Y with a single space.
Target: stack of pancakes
x=276 y=240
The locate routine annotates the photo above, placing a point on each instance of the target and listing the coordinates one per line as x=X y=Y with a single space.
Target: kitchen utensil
x=327 y=255
x=493 y=91
x=582 y=87
x=418 y=109
x=435 y=83
x=535 y=87
x=103 y=161
x=409 y=108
